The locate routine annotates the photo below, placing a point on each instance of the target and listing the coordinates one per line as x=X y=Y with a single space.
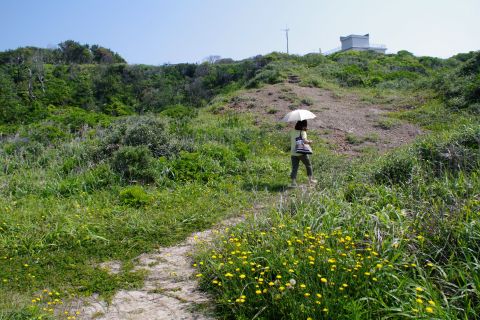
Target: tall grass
x=65 y=208
x=397 y=239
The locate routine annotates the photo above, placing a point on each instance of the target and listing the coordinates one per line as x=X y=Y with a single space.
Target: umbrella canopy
x=298 y=115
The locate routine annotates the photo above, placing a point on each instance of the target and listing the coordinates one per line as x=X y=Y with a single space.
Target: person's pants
x=295 y=163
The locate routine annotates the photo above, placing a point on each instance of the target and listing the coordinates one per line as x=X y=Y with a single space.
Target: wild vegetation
x=102 y=161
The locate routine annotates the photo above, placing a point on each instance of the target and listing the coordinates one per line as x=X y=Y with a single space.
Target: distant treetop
x=68 y=52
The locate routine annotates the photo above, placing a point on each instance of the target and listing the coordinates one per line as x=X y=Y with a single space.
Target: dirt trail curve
x=170 y=290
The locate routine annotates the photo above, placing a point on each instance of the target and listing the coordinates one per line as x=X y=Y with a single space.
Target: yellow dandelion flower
x=306 y=294
x=420 y=301
x=282 y=288
x=430 y=302
x=419 y=289
x=242 y=276
x=367 y=273
x=199 y=275
x=303 y=286
x=325 y=309
x=271 y=284
x=258 y=292
x=429 y=310
x=323 y=280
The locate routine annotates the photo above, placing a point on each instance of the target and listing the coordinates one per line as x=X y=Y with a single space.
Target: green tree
x=74 y=52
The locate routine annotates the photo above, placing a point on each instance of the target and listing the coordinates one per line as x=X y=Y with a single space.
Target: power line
x=286 y=34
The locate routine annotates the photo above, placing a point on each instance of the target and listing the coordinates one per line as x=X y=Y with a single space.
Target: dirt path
x=170 y=290
x=348 y=123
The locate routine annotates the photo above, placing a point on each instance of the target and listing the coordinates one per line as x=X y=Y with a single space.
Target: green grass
x=387 y=123
x=359 y=249
x=62 y=216
x=392 y=236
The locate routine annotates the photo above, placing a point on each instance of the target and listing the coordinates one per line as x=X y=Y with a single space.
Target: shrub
x=395 y=168
x=462 y=88
x=454 y=152
x=225 y=157
x=265 y=76
x=134 y=163
x=45 y=133
x=75 y=118
x=191 y=166
x=354 y=139
x=210 y=162
x=179 y=112
x=351 y=76
x=134 y=196
x=137 y=131
x=96 y=178
x=242 y=150
x=355 y=191
x=387 y=123
x=307 y=101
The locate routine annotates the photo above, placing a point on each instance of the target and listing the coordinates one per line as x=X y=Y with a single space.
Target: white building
x=358 y=43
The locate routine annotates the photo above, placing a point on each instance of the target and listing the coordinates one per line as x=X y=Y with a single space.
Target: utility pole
x=286 y=34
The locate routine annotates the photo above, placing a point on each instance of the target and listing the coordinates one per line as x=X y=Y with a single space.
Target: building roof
x=355 y=36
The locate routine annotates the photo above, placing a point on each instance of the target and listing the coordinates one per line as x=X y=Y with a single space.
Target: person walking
x=300 y=131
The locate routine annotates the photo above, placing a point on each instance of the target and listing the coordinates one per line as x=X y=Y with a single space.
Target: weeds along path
x=170 y=290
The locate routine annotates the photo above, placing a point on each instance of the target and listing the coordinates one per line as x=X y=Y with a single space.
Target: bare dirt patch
x=345 y=121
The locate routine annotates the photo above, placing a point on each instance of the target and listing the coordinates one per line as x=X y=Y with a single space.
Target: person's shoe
x=293 y=184
x=312 y=181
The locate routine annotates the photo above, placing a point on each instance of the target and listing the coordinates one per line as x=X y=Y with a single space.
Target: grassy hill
x=104 y=161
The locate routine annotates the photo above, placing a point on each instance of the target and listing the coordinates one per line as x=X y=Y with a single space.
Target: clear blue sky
x=173 y=31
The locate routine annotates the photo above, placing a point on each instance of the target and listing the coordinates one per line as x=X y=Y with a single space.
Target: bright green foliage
x=395 y=248
x=134 y=196
x=462 y=88
x=133 y=163
x=85 y=179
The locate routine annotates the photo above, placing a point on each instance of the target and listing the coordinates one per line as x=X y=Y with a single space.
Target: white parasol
x=298 y=115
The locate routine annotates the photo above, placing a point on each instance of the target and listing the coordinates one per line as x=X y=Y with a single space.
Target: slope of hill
x=89 y=175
